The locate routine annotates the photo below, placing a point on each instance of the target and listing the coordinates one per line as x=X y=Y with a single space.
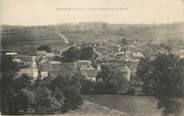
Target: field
x=22 y=37
x=132 y=105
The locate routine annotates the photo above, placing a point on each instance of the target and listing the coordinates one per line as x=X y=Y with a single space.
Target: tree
x=72 y=54
x=8 y=72
x=86 y=53
x=112 y=78
x=23 y=101
x=44 y=48
x=46 y=103
x=19 y=95
x=144 y=69
x=69 y=86
x=165 y=74
x=168 y=74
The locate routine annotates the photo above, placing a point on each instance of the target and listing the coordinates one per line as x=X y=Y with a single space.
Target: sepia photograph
x=92 y=57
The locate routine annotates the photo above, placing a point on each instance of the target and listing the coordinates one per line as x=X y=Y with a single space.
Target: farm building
x=180 y=53
x=12 y=53
x=87 y=70
x=30 y=69
x=41 y=53
x=54 y=70
x=50 y=55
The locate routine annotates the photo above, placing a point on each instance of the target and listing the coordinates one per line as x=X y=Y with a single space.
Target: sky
x=45 y=12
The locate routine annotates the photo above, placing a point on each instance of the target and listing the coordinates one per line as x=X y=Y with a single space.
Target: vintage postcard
x=92 y=57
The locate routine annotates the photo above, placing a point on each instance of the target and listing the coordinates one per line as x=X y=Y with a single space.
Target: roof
x=86 y=67
x=124 y=68
x=57 y=67
x=27 y=59
x=180 y=52
x=119 y=53
x=40 y=52
x=11 y=53
x=50 y=54
x=90 y=73
x=82 y=62
x=137 y=54
x=55 y=62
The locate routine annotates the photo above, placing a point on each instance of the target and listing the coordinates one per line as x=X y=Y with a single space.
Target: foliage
x=86 y=53
x=72 y=54
x=87 y=86
x=8 y=72
x=164 y=77
x=143 y=74
x=44 y=48
x=46 y=103
x=9 y=67
x=112 y=78
x=70 y=88
x=21 y=95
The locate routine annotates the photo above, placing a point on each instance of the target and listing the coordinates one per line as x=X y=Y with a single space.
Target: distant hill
x=19 y=37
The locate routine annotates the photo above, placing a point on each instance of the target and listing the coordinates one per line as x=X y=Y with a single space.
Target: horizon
x=68 y=23
x=45 y=12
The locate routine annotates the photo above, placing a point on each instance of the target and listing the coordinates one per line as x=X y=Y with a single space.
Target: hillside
x=20 y=37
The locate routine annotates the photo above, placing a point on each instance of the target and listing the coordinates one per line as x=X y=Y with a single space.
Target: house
x=54 y=70
x=31 y=70
x=41 y=53
x=12 y=53
x=27 y=61
x=83 y=62
x=126 y=72
x=180 y=53
x=50 y=55
x=54 y=62
x=17 y=60
x=137 y=55
x=87 y=70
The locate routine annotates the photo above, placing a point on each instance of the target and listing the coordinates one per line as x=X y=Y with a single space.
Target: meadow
x=132 y=105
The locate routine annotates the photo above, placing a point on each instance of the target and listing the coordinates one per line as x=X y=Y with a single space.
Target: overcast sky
x=44 y=12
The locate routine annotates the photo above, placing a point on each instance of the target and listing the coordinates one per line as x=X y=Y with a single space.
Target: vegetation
x=86 y=53
x=88 y=86
x=113 y=80
x=163 y=78
x=44 y=48
x=74 y=54
x=20 y=95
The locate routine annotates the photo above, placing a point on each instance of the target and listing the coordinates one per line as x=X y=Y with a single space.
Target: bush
x=163 y=78
x=21 y=95
x=113 y=80
x=87 y=86
x=44 y=48
x=69 y=86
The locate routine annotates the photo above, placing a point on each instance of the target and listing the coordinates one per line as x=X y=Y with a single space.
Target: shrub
x=113 y=80
x=69 y=86
x=87 y=86
x=163 y=77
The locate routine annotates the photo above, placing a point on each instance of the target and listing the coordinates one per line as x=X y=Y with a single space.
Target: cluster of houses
x=43 y=65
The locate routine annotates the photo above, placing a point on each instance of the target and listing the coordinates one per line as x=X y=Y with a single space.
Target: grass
x=132 y=105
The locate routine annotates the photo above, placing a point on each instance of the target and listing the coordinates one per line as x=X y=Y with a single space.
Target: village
x=46 y=64
x=104 y=74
